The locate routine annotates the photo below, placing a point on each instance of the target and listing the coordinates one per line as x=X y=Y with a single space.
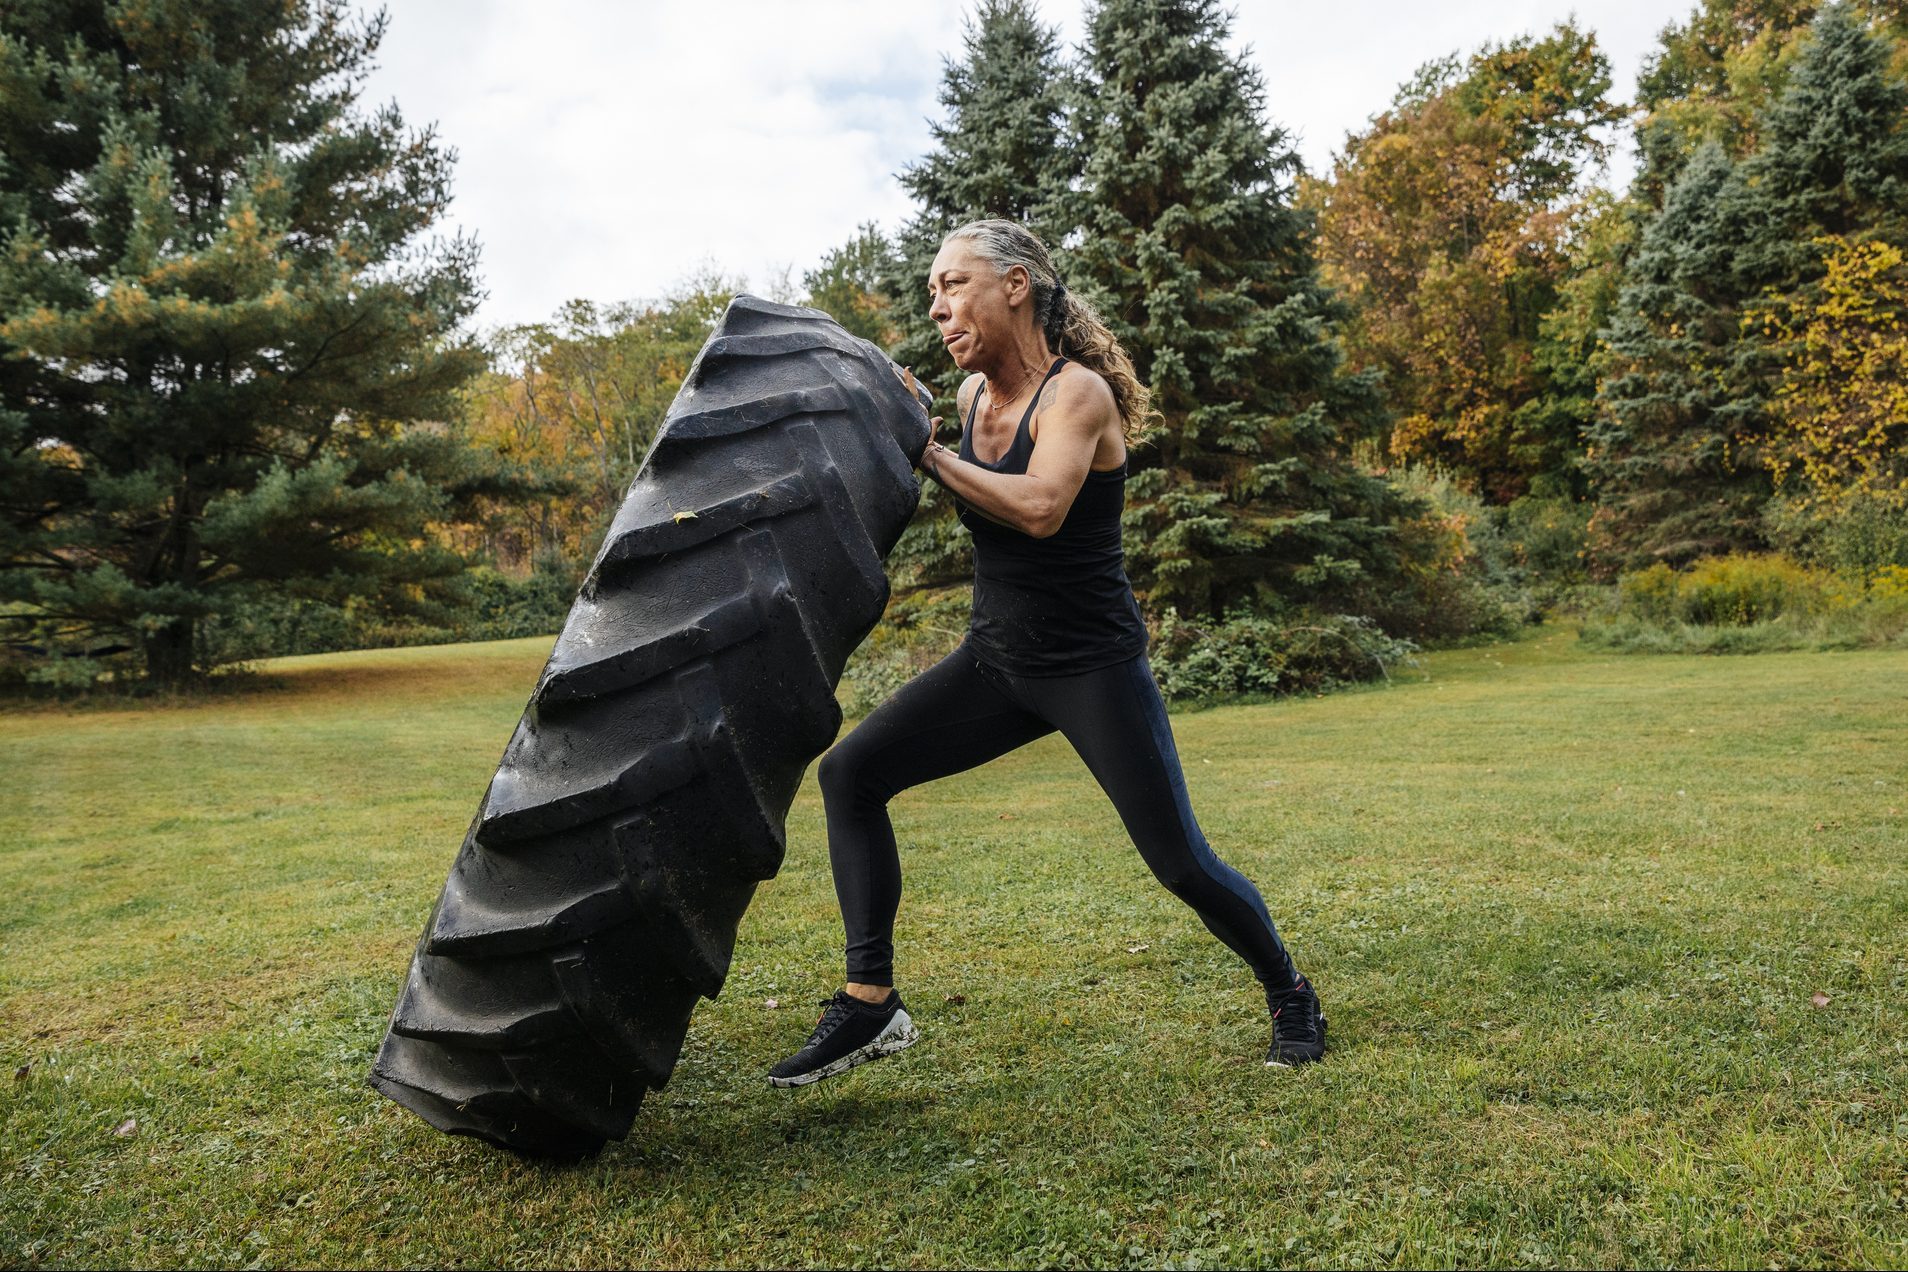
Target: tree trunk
x=169 y=653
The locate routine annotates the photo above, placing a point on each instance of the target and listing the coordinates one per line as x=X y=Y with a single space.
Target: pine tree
x=218 y=324
x=1713 y=76
x=1832 y=157
x=1706 y=81
x=1666 y=456
x=1246 y=496
x=1000 y=152
x=1694 y=353
x=1827 y=192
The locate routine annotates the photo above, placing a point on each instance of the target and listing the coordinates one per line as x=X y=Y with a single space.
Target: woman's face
x=975 y=307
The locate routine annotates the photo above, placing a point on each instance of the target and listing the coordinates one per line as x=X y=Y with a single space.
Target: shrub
x=1736 y=591
x=499 y=607
x=1192 y=661
x=1549 y=538
x=1255 y=656
x=1857 y=532
x=270 y=626
x=1457 y=584
x=917 y=631
x=1650 y=595
x=1748 y=604
x=482 y=604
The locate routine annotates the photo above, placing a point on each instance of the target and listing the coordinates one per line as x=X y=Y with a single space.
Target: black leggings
x=961 y=713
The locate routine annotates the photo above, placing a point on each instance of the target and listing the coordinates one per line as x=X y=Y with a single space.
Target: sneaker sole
x=899 y=1035
x=1295 y=1063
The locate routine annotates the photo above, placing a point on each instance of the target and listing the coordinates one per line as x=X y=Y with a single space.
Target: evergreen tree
x=1715 y=74
x=1832 y=157
x=1666 y=455
x=1827 y=193
x=1706 y=81
x=999 y=152
x=848 y=285
x=216 y=322
x=1694 y=352
x=1246 y=496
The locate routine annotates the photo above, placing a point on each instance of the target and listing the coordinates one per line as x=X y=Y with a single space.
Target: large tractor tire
x=643 y=795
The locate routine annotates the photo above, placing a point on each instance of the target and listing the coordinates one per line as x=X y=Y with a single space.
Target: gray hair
x=1074 y=329
x=1005 y=244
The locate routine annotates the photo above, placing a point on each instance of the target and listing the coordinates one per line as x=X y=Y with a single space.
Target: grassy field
x=1615 y=952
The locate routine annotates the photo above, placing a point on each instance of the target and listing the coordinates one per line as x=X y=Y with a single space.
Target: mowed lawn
x=1614 y=949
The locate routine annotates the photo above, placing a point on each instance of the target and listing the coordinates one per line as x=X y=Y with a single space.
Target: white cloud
x=609 y=149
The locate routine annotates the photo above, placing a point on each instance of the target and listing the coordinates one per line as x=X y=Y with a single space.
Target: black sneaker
x=850 y=1032
x=1298 y=1029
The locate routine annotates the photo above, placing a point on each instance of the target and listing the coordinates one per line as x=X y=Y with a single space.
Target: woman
x=1055 y=642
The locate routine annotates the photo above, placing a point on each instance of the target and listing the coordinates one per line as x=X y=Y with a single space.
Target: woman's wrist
x=931 y=459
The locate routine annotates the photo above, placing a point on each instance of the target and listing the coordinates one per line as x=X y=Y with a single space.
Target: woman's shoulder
x=964 y=396
x=1079 y=385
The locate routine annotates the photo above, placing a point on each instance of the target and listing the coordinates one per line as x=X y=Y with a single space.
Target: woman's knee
x=844 y=777
x=836 y=772
x=1180 y=876
x=1187 y=867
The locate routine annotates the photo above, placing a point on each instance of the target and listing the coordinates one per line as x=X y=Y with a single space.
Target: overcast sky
x=609 y=148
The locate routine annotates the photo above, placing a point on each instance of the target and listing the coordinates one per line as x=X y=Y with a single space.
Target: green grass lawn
x=1614 y=949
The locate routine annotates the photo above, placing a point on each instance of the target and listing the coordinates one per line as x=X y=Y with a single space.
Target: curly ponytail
x=1072 y=327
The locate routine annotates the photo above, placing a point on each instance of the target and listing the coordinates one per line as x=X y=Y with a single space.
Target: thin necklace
x=993 y=409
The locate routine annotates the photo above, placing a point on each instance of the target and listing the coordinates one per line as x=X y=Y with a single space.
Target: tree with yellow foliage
x=575 y=403
x=1841 y=407
x=1451 y=224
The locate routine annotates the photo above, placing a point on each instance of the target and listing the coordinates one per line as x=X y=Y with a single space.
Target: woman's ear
x=1019 y=284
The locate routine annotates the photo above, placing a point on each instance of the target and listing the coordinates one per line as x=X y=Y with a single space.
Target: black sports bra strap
x=974 y=406
x=1026 y=418
x=1052 y=371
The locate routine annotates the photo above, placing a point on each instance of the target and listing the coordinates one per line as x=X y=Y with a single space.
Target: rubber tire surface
x=643 y=795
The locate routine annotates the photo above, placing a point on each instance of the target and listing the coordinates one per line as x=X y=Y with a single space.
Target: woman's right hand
x=933 y=455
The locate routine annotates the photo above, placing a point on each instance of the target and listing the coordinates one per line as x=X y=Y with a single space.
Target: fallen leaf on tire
x=684 y=515
x=1819 y=998
x=126 y=1128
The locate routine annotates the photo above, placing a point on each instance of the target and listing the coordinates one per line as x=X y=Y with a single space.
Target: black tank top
x=1060 y=605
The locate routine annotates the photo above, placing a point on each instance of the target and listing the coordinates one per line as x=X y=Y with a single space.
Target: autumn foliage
x=1841 y=408
x=1450 y=226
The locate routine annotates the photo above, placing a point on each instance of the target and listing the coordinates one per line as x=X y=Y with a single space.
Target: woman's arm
x=1036 y=502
